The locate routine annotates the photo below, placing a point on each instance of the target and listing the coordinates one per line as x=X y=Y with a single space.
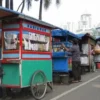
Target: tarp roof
x=83 y=35
x=80 y=35
x=4 y=13
x=61 y=32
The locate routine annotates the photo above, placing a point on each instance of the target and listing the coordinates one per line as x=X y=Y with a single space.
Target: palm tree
x=23 y=6
x=11 y=4
x=46 y=6
x=1 y=2
x=7 y=4
x=29 y=4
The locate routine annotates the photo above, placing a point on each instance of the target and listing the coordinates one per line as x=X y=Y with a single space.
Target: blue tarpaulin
x=61 y=54
x=81 y=35
x=61 y=32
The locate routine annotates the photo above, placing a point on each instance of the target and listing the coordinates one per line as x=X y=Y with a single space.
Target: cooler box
x=62 y=62
x=61 y=54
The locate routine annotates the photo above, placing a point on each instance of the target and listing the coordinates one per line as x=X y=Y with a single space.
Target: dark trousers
x=76 y=70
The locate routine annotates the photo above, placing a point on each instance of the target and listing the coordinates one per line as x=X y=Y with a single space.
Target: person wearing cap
x=75 y=60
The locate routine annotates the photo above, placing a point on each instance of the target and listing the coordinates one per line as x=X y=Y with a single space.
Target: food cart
x=86 y=42
x=26 y=52
x=62 y=60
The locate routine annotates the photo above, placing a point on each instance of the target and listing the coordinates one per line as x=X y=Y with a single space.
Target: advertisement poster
x=35 y=42
x=31 y=41
x=11 y=39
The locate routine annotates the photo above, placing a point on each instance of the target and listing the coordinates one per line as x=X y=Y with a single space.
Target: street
x=43 y=52
x=88 y=89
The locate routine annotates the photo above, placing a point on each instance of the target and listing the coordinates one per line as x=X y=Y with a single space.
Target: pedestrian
x=76 y=69
x=92 y=59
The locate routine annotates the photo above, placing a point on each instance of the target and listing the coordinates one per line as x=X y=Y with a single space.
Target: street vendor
x=75 y=60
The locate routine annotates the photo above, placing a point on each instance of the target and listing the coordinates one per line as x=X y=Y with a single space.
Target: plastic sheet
x=61 y=54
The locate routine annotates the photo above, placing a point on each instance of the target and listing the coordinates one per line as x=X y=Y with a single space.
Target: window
x=10 y=26
x=11 y=40
x=35 y=42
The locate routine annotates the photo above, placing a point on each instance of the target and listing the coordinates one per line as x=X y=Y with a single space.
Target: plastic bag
x=97 y=49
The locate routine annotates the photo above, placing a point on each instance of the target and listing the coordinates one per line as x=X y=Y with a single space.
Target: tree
x=23 y=6
x=0 y=2
x=7 y=4
x=29 y=4
x=46 y=6
x=11 y=4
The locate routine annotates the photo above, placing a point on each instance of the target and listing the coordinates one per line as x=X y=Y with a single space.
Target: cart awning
x=61 y=32
x=4 y=12
x=86 y=34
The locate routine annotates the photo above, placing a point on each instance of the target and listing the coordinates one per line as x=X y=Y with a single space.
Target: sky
x=67 y=11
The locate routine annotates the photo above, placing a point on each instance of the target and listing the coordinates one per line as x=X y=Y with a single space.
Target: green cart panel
x=11 y=74
x=30 y=66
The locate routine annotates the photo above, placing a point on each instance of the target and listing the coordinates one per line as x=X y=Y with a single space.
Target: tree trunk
x=40 y=10
x=7 y=3
x=11 y=4
x=23 y=6
x=20 y=5
x=0 y=2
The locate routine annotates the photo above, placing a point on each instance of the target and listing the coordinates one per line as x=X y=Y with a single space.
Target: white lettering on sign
x=36 y=37
x=36 y=42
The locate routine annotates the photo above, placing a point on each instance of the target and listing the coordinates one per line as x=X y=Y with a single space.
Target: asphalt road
x=88 y=89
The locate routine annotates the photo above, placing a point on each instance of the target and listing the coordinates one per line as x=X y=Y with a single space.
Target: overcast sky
x=68 y=11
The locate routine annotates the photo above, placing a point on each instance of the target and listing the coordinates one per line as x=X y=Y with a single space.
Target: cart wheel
x=38 y=85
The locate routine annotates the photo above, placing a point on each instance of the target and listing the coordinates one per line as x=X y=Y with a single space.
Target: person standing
x=75 y=60
x=93 y=59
